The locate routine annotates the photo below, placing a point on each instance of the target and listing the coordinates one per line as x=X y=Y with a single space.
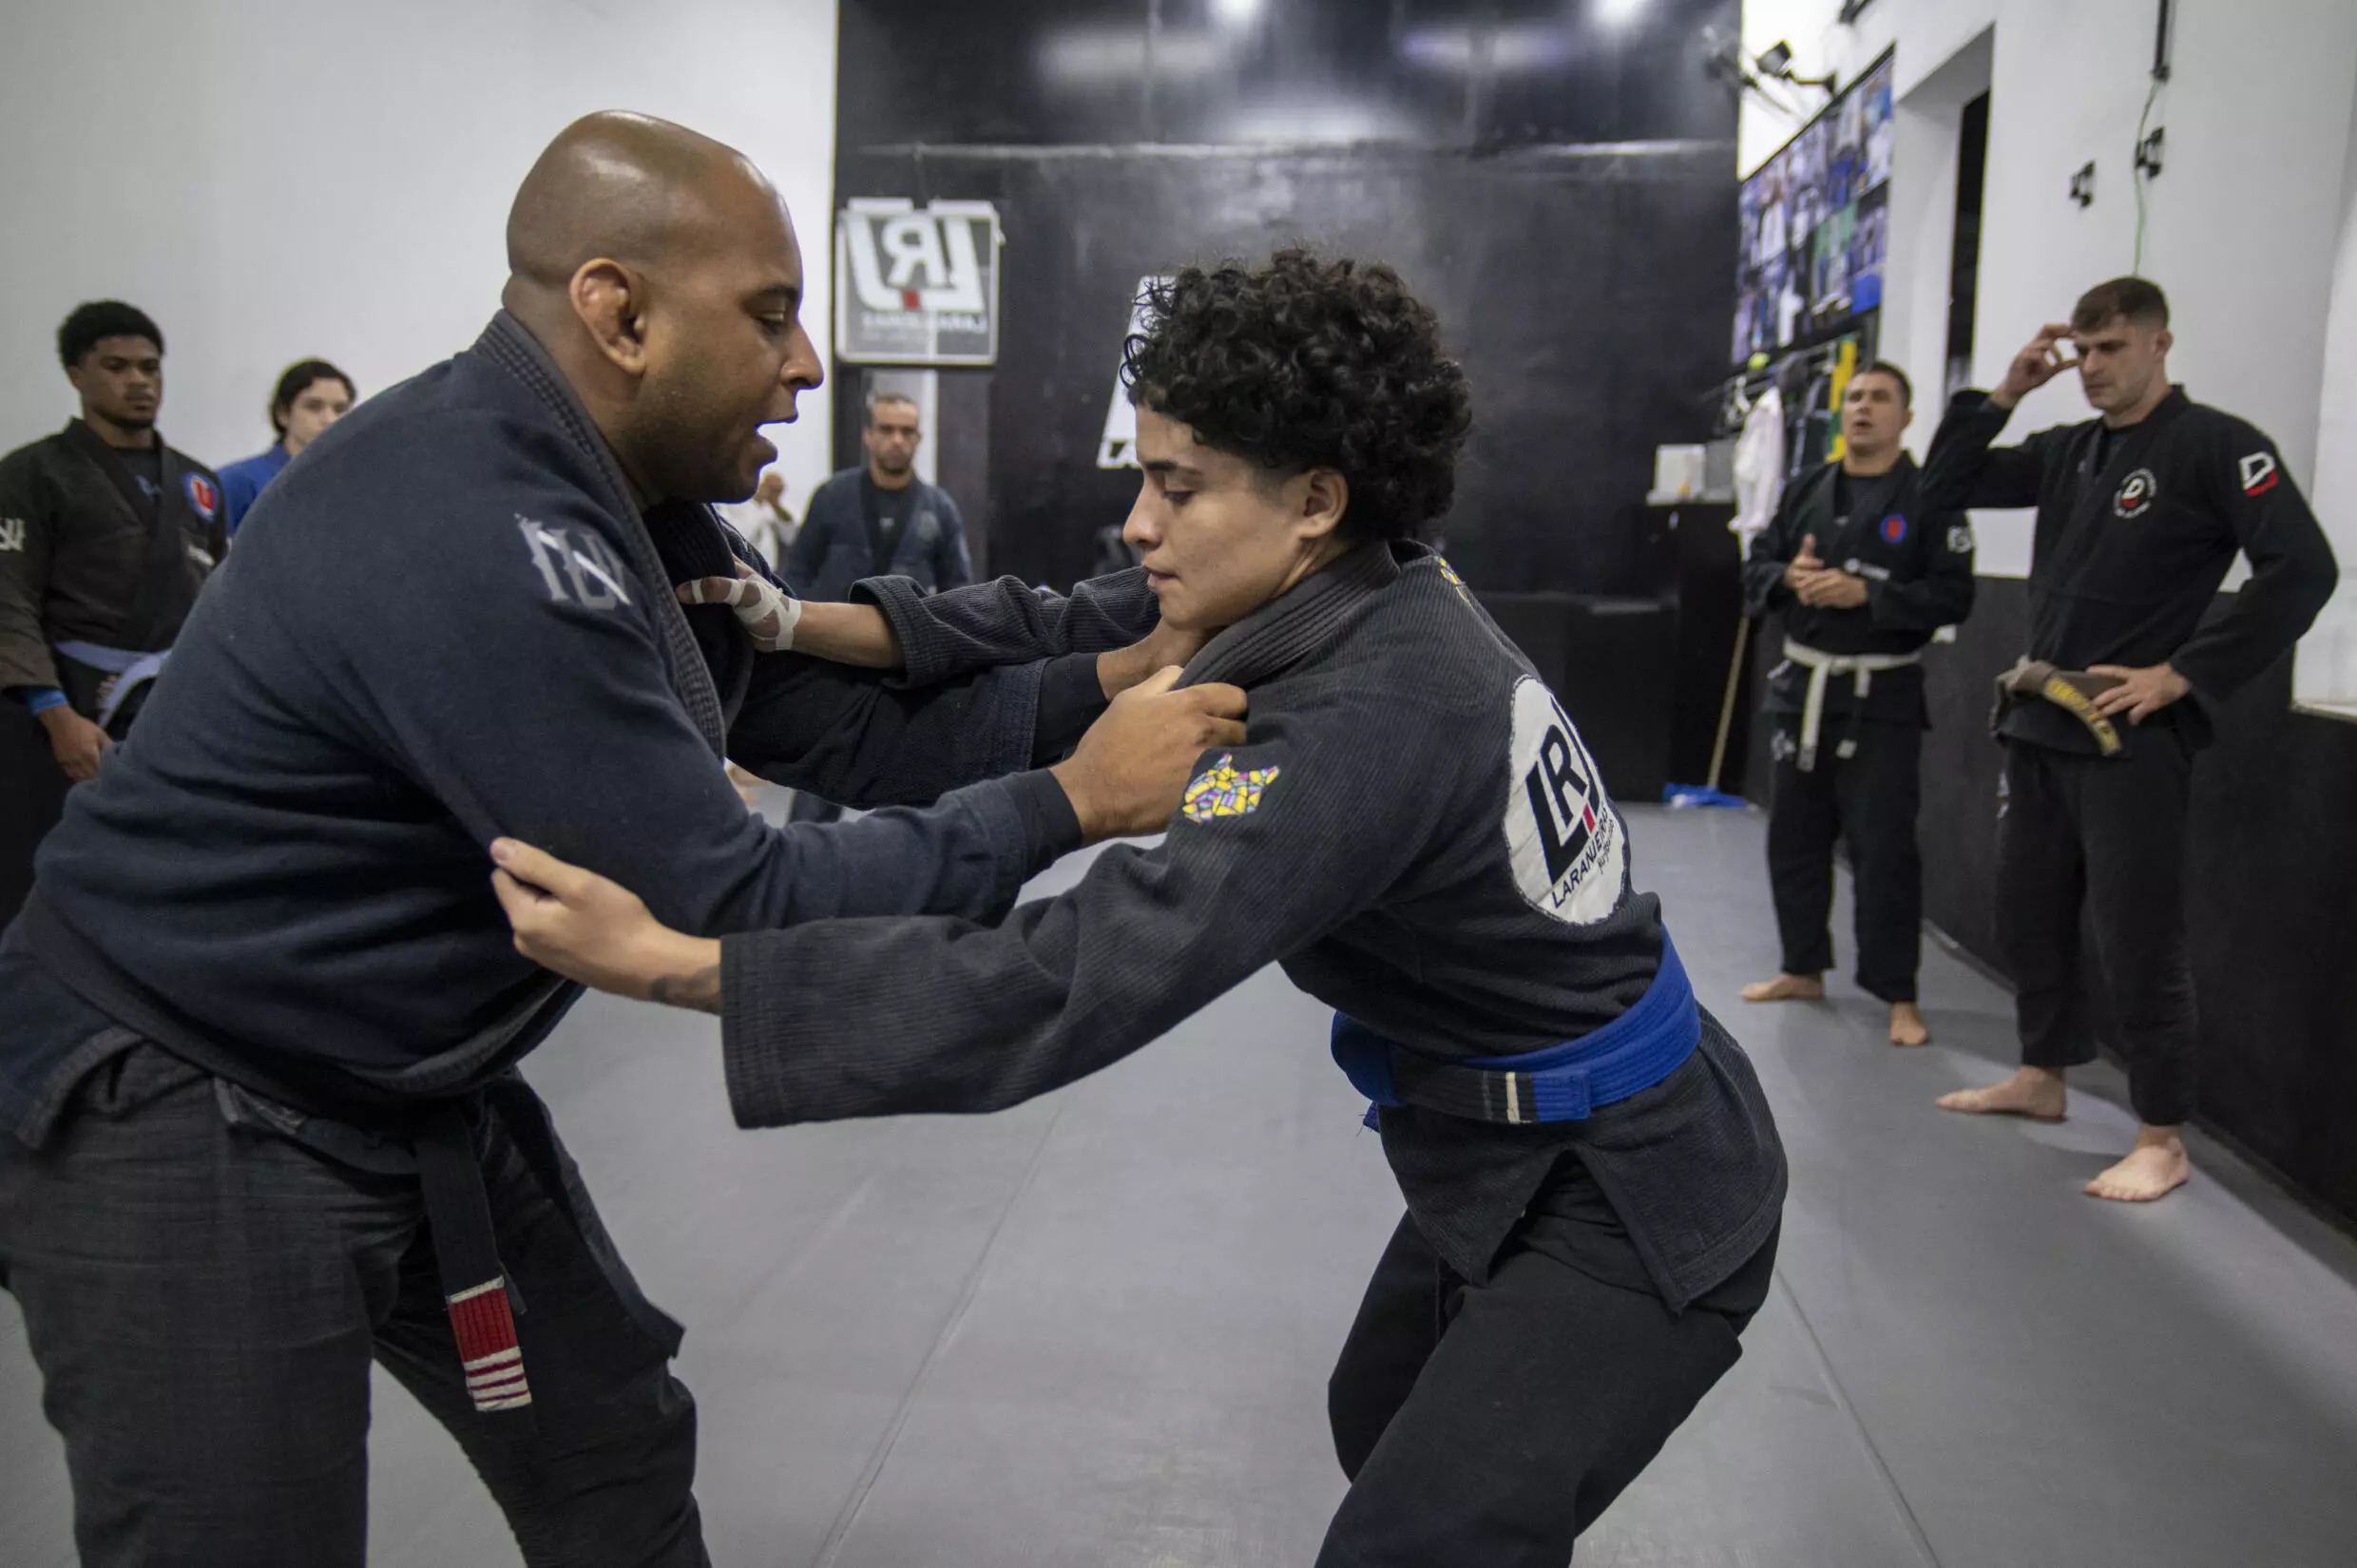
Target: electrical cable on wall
x=2145 y=157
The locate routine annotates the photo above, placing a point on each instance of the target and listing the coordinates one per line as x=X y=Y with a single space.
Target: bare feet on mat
x=2155 y=1168
x=1908 y=1027
x=1786 y=988
x=2033 y=1092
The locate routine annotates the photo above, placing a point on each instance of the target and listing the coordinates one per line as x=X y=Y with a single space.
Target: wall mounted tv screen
x=1817 y=225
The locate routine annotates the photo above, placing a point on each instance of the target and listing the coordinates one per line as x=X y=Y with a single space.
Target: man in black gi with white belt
x=2140 y=514
x=1863 y=573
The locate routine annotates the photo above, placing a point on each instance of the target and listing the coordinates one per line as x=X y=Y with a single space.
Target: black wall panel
x=1585 y=286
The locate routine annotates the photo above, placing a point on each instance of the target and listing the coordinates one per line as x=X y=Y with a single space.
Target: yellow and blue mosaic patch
x=1454 y=581
x=1221 y=791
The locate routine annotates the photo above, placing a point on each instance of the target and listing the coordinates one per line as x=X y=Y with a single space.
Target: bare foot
x=2155 y=1168
x=1786 y=988
x=2034 y=1092
x=1908 y=1027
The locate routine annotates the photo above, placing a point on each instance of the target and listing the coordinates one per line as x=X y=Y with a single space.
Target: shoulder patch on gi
x=1563 y=837
x=1960 y=540
x=1222 y=791
x=2135 y=494
x=574 y=558
x=11 y=534
x=203 y=495
x=2259 y=472
x=1454 y=581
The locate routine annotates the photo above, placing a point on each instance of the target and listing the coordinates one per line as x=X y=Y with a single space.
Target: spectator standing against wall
x=878 y=520
x=106 y=536
x=1861 y=573
x=2140 y=512
x=311 y=395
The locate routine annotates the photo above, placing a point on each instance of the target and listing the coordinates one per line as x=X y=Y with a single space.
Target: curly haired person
x=1414 y=831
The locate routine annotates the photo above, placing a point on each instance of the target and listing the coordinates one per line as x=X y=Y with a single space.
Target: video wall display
x=1817 y=225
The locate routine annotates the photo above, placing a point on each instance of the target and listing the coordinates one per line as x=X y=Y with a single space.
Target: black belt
x=433 y=1137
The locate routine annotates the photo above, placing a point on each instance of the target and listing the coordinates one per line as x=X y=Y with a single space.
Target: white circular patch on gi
x=1567 y=847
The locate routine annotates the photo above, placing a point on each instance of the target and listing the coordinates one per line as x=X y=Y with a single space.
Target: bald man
x=263 y=1011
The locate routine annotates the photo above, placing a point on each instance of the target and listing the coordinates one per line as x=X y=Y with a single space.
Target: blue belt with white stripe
x=131 y=670
x=1558 y=1083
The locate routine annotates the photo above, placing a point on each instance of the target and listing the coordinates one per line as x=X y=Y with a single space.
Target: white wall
x=276 y=179
x=2244 y=223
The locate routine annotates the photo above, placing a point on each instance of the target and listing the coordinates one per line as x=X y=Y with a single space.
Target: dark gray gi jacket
x=86 y=557
x=1412 y=830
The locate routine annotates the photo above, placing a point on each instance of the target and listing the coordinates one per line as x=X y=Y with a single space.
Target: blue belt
x=130 y=671
x=1558 y=1083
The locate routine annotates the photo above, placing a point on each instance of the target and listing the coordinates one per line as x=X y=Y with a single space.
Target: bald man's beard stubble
x=687 y=446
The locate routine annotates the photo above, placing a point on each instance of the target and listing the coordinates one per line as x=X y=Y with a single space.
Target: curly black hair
x=100 y=320
x=1306 y=363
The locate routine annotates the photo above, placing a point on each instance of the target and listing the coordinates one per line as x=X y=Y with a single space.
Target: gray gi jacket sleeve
x=26 y=532
x=1283 y=840
x=1005 y=622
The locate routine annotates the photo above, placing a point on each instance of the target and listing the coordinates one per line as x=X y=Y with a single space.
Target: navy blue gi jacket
x=1412 y=830
x=448 y=622
x=833 y=551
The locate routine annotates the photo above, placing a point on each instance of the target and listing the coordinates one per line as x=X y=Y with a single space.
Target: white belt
x=1822 y=667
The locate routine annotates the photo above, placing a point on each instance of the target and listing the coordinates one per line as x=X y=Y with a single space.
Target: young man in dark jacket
x=1414 y=830
x=106 y=536
x=1862 y=574
x=2140 y=512
x=258 y=1121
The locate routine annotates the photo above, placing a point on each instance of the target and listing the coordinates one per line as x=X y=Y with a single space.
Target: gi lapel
x=166 y=589
x=1816 y=517
x=508 y=345
x=2100 y=491
x=88 y=442
x=1296 y=623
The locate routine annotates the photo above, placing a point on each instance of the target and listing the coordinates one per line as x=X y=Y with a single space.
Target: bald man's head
x=627 y=187
x=661 y=271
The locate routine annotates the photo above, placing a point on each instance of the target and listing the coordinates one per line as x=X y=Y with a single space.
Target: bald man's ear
x=610 y=299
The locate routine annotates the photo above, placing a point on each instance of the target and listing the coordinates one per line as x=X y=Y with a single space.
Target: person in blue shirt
x=312 y=394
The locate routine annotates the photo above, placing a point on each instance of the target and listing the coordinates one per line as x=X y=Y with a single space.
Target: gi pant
x=1869 y=799
x=1487 y=1425
x=32 y=797
x=204 y=1301
x=2105 y=835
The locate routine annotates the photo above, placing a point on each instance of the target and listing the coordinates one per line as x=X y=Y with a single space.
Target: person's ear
x=610 y=299
x=2162 y=341
x=1906 y=416
x=1324 y=498
x=73 y=376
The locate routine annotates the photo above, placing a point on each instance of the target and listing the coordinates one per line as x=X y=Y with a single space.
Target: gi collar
x=1298 y=622
x=508 y=344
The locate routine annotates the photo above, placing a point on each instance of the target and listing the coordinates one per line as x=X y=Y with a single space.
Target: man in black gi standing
x=106 y=536
x=1863 y=572
x=2140 y=514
